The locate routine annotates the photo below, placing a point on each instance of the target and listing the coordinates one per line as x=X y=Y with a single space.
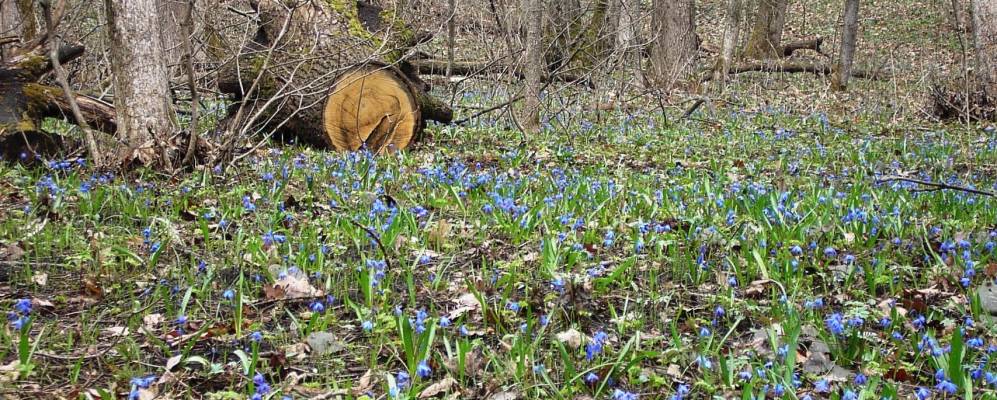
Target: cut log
x=373 y=109
x=323 y=72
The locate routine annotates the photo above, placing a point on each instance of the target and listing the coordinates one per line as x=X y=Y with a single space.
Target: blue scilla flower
x=835 y=324
x=423 y=370
x=23 y=306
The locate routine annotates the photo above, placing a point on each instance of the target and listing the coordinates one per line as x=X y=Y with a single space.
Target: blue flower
x=822 y=386
x=849 y=395
x=402 y=379
x=860 y=379
x=744 y=375
x=835 y=324
x=922 y=393
x=367 y=326
x=796 y=251
x=262 y=387
x=317 y=307
x=830 y=252
x=622 y=395
x=423 y=370
x=946 y=386
x=591 y=378
x=228 y=294
x=23 y=306
x=256 y=336
x=19 y=323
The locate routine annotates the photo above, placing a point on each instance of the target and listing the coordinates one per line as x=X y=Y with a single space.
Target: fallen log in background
x=324 y=73
x=473 y=68
x=798 y=67
x=809 y=44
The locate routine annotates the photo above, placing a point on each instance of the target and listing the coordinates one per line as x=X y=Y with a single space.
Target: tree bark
x=29 y=19
x=766 y=34
x=674 y=45
x=534 y=64
x=985 y=42
x=849 y=37
x=141 y=83
x=626 y=36
x=732 y=32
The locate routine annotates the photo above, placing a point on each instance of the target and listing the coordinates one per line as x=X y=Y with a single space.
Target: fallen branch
x=937 y=185
x=68 y=95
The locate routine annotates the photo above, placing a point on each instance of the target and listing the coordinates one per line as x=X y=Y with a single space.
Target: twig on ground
x=937 y=185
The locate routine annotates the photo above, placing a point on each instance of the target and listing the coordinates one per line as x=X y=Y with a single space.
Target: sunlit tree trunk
x=732 y=34
x=766 y=34
x=141 y=84
x=985 y=42
x=674 y=47
x=849 y=37
x=534 y=64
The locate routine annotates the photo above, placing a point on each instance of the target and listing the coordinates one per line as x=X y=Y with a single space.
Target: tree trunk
x=330 y=73
x=674 y=47
x=766 y=35
x=29 y=19
x=985 y=41
x=534 y=64
x=732 y=33
x=849 y=36
x=141 y=84
x=626 y=36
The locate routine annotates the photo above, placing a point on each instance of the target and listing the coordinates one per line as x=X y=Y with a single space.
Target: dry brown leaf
x=571 y=338
x=505 y=396
x=172 y=362
x=116 y=331
x=92 y=289
x=151 y=321
x=440 y=233
x=364 y=384
x=40 y=278
x=294 y=286
x=437 y=388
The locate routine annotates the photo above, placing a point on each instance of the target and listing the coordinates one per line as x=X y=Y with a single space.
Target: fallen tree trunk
x=24 y=103
x=809 y=44
x=473 y=68
x=331 y=73
x=798 y=67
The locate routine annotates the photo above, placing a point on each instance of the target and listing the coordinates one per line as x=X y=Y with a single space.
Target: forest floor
x=760 y=254
x=759 y=248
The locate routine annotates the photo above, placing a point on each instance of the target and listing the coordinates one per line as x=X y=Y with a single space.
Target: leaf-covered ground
x=760 y=255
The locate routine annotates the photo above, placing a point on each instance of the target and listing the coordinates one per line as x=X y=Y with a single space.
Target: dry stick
x=60 y=76
x=937 y=185
x=188 y=31
x=377 y=240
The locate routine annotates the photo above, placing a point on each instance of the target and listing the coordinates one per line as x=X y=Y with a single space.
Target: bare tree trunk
x=849 y=36
x=29 y=19
x=766 y=35
x=629 y=15
x=534 y=64
x=141 y=84
x=732 y=33
x=985 y=42
x=674 y=46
